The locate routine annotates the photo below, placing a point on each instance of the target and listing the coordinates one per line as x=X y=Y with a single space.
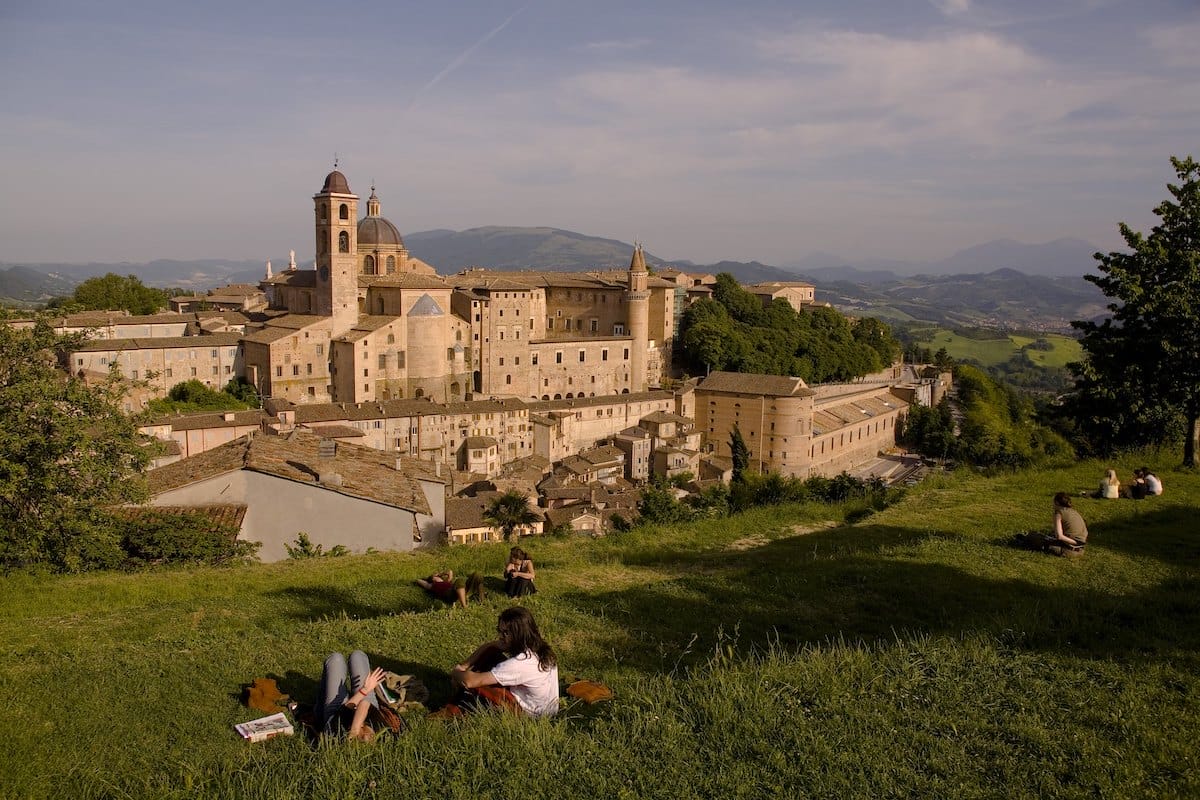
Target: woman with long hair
x=517 y=671
x=519 y=574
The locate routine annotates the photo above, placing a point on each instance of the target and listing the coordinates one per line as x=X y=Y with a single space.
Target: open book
x=258 y=730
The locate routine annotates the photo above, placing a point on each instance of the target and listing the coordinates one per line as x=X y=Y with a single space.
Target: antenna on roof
x=335 y=160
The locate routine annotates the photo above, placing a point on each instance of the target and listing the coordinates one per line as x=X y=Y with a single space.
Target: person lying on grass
x=340 y=708
x=446 y=588
x=517 y=671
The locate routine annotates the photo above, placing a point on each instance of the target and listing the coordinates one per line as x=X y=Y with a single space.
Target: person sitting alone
x=1070 y=531
x=519 y=574
x=1110 y=487
x=445 y=587
x=518 y=671
x=338 y=708
x=1154 y=485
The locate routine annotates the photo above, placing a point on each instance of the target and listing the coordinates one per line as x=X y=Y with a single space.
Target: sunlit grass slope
x=781 y=653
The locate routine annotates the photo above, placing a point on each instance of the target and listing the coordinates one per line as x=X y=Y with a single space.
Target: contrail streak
x=464 y=56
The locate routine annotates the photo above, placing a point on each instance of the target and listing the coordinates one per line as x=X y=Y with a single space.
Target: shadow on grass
x=869 y=583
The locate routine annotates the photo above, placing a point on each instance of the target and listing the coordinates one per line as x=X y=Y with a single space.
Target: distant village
x=398 y=403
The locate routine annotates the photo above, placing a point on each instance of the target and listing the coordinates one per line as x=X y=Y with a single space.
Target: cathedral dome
x=336 y=182
x=378 y=231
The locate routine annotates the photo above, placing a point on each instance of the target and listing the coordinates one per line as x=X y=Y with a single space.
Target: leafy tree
x=113 y=292
x=508 y=512
x=192 y=395
x=658 y=505
x=739 y=452
x=1142 y=364
x=241 y=389
x=67 y=451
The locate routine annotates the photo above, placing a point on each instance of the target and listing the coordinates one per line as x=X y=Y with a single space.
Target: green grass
x=912 y=654
x=991 y=352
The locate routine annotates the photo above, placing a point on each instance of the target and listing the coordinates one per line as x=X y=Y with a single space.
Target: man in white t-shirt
x=1153 y=484
x=519 y=670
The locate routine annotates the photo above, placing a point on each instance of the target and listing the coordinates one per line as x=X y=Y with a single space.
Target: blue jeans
x=333 y=692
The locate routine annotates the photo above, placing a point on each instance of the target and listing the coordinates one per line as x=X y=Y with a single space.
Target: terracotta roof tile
x=751 y=383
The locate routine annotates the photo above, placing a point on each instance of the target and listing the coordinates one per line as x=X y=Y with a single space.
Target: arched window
x=391 y=265
x=369 y=265
x=458 y=336
x=391 y=338
x=419 y=393
x=324 y=212
x=344 y=211
x=343 y=242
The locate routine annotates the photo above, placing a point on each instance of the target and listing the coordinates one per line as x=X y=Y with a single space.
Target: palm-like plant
x=508 y=512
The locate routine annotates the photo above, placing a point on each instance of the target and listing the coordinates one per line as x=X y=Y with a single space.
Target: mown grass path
x=776 y=654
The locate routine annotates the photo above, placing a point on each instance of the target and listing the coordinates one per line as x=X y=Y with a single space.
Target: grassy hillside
x=990 y=352
x=778 y=654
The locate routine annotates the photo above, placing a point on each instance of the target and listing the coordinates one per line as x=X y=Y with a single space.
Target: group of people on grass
x=516 y=671
x=1144 y=484
x=518 y=581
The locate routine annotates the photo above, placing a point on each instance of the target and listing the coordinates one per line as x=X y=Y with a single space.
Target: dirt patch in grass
x=759 y=539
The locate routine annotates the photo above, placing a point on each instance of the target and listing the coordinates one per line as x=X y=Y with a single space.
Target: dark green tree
x=1142 y=364
x=113 y=292
x=67 y=452
x=508 y=512
x=739 y=452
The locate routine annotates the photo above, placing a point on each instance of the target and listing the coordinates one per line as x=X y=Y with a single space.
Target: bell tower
x=639 y=319
x=336 y=225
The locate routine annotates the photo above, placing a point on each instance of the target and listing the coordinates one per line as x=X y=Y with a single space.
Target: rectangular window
x=400 y=358
x=79 y=362
x=618 y=329
x=604 y=354
x=383 y=360
x=502 y=361
x=228 y=369
x=566 y=325
x=517 y=360
x=168 y=371
x=320 y=349
x=626 y=356
x=135 y=374
x=533 y=358
x=558 y=356
x=193 y=372
x=549 y=323
x=594 y=326
x=366 y=372
x=213 y=354
x=295 y=369
x=308 y=368
x=216 y=371
x=582 y=356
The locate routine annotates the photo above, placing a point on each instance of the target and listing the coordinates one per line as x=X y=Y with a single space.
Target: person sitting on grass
x=1070 y=531
x=1110 y=487
x=338 y=708
x=519 y=574
x=518 y=671
x=446 y=588
x=1154 y=485
x=1137 y=487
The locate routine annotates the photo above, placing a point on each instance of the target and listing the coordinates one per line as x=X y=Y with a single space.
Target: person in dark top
x=519 y=574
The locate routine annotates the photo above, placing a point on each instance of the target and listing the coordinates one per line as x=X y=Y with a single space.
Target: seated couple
x=517 y=671
x=445 y=587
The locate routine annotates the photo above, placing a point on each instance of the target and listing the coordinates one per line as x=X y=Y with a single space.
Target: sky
x=756 y=130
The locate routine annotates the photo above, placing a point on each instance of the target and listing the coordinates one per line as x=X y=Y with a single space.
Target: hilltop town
x=408 y=400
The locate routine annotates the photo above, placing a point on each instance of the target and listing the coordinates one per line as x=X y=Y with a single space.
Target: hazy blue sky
x=708 y=130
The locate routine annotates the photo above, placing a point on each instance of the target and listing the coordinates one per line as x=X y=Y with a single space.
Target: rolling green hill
x=781 y=653
x=992 y=352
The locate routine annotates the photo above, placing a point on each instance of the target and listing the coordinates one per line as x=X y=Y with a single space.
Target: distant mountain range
x=997 y=283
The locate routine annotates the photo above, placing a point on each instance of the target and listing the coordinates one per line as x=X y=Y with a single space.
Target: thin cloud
x=952 y=8
x=463 y=57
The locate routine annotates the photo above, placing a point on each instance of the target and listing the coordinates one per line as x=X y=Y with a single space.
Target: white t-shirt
x=535 y=690
x=1153 y=484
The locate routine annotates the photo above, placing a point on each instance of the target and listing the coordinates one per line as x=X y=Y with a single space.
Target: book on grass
x=257 y=730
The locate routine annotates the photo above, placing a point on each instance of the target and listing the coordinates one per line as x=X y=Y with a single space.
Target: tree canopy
x=1139 y=382
x=508 y=512
x=67 y=452
x=734 y=331
x=112 y=292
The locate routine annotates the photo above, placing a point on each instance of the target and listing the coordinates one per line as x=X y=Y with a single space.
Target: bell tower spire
x=336 y=226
